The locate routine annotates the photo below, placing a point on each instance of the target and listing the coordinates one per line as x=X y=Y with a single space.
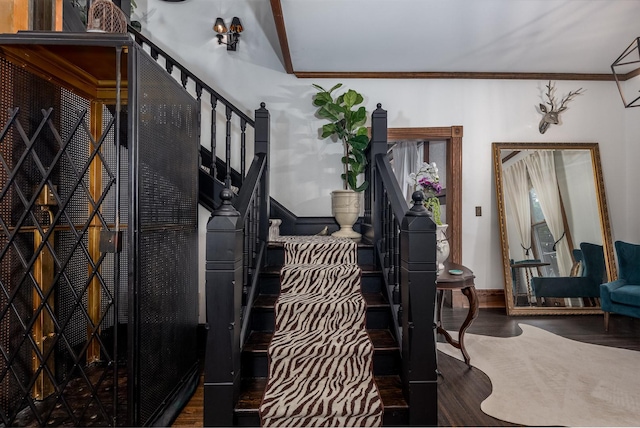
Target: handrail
x=250 y=184
x=390 y=183
x=245 y=204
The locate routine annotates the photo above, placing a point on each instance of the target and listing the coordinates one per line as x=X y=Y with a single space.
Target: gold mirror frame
x=605 y=228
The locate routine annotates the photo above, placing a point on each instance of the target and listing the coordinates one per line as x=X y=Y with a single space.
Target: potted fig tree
x=346 y=125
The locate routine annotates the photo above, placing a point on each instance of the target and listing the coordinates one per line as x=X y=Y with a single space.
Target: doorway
x=452 y=136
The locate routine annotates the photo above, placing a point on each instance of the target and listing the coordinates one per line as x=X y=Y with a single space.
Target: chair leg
x=606 y=321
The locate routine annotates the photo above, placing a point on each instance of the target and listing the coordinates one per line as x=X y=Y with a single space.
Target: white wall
x=629 y=181
x=305 y=169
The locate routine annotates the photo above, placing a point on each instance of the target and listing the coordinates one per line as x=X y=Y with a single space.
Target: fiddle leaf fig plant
x=346 y=123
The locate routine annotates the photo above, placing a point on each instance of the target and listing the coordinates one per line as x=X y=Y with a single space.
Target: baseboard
x=487 y=298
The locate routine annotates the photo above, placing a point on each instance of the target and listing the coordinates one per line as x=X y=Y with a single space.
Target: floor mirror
x=554 y=227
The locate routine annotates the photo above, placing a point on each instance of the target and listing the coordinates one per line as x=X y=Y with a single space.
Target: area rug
x=539 y=378
x=320 y=356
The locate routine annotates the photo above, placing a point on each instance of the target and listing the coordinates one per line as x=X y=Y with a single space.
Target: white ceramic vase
x=345 y=207
x=442 y=246
x=274 y=229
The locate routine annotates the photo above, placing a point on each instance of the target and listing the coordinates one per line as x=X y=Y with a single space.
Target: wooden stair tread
x=362 y=243
x=274 y=270
x=265 y=301
x=390 y=388
x=251 y=393
x=383 y=341
x=374 y=300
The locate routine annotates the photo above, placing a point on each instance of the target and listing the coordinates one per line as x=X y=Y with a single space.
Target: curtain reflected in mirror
x=406 y=156
x=555 y=234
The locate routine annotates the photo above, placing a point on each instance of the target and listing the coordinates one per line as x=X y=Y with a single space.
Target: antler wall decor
x=551 y=114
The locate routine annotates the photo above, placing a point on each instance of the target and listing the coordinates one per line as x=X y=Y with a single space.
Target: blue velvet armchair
x=622 y=296
x=586 y=285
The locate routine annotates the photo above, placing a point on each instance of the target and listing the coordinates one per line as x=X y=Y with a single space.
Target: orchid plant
x=428 y=180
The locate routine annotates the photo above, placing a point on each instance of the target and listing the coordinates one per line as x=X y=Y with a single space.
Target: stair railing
x=202 y=92
x=405 y=242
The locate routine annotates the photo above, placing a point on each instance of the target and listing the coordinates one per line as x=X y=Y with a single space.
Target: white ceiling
x=415 y=36
x=491 y=36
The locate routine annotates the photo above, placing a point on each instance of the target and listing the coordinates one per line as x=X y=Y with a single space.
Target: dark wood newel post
x=223 y=299
x=418 y=291
x=374 y=194
x=262 y=145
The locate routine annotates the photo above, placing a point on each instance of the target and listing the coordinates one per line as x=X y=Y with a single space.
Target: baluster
x=386 y=229
x=396 y=255
x=382 y=219
x=393 y=247
x=227 y=180
x=183 y=77
x=199 y=112
x=252 y=237
x=254 y=218
x=256 y=223
x=243 y=148
x=247 y=246
x=245 y=253
x=252 y=213
x=154 y=53
x=255 y=228
x=214 y=170
x=250 y=232
x=168 y=65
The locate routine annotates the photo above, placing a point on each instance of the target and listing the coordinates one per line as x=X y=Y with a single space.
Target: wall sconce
x=626 y=71
x=233 y=34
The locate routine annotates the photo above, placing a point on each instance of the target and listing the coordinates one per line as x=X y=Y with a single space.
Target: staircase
x=242 y=269
x=387 y=358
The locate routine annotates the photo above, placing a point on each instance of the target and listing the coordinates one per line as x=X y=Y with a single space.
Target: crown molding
x=453 y=75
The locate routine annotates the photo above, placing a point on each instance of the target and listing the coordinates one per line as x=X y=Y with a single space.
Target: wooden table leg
x=470 y=292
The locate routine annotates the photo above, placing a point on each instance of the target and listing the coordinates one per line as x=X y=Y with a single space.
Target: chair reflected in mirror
x=522 y=271
x=589 y=272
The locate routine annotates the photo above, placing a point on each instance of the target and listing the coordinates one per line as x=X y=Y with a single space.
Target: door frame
x=453 y=137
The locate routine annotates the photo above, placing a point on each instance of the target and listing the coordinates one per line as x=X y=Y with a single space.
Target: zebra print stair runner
x=320 y=357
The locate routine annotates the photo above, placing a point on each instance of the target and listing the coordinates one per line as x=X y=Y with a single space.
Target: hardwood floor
x=460 y=389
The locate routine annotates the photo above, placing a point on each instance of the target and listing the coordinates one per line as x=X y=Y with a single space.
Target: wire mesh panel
x=164 y=207
x=56 y=294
